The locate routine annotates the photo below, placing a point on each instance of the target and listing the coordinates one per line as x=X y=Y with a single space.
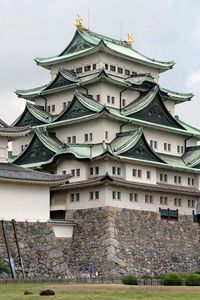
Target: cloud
x=193 y=82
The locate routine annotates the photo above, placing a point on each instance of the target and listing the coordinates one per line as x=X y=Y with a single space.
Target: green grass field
x=99 y=292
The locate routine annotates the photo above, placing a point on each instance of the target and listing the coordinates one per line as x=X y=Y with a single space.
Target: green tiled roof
x=113 y=45
x=121 y=144
x=176 y=96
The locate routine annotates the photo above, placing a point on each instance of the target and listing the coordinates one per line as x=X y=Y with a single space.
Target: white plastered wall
x=70 y=164
x=24 y=202
x=97 y=127
x=3 y=149
x=18 y=143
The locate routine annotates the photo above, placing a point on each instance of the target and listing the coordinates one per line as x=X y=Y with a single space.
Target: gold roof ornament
x=79 y=23
x=130 y=39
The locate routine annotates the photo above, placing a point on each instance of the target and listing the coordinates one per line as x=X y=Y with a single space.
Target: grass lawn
x=99 y=292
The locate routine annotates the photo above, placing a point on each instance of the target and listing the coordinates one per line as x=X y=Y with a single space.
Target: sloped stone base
x=41 y=255
x=118 y=241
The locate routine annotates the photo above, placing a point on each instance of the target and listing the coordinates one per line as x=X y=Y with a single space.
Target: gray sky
x=162 y=29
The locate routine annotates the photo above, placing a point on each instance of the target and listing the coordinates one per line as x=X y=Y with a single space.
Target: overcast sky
x=162 y=29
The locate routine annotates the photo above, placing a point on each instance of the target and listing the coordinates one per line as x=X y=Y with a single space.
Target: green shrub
x=129 y=279
x=192 y=279
x=172 y=279
x=1 y=266
x=7 y=270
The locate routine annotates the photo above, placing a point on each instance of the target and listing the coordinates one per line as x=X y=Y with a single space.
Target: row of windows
x=119 y=70
x=138 y=173
x=177 y=179
x=71 y=139
x=86 y=68
x=110 y=99
x=166 y=146
x=133 y=197
x=88 y=137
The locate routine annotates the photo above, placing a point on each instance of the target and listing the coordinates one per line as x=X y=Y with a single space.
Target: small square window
x=112 y=68
x=79 y=70
x=87 y=68
x=127 y=72
x=120 y=70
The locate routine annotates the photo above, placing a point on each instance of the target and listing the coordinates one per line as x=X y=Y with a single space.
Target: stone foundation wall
x=119 y=241
x=42 y=256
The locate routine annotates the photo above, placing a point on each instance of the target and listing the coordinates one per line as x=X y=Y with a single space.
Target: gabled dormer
x=134 y=145
x=150 y=108
x=32 y=116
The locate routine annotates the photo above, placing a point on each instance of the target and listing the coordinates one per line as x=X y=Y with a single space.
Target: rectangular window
x=94 y=66
x=91 y=171
x=123 y=102
x=97 y=195
x=134 y=172
x=77 y=197
x=22 y=148
x=182 y=149
x=72 y=197
x=69 y=139
x=177 y=202
x=191 y=203
x=64 y=172
x=136 y=197
x=155 y=144
x=192 y=181
x=106 y=135
x=64 y=105
x=118 y=171
x=113 y=100
x=91 y=195
x=178 y=149
x=113 y=170
x=48 y=108
x=113 y=195
x=87 y=68
x=97 y=170
x=108 y=99
x=79 y=70
x=163 y=200
x=179 y=179
x=131 y=197
x=127 y=72
x=86 y=137
x=74 y=139
x=139 y=173
x=77 y=172
x=175 y=179
x=112 y=68
x=90 y=136
x=163 y=177
x=120 y=70
x=98 y=98
x=148 y=174
x=106 y=66
x=149 y=199
x=165 y=146
x=151 y=143
x=53 y=107
x=73 y=172
x=118 y=195
x=169 y=147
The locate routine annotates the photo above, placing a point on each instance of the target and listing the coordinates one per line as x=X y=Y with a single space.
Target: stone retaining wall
x=119 y=241
x=116 y=241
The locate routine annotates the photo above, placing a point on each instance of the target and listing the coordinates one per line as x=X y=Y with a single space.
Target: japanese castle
x=105 y=119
